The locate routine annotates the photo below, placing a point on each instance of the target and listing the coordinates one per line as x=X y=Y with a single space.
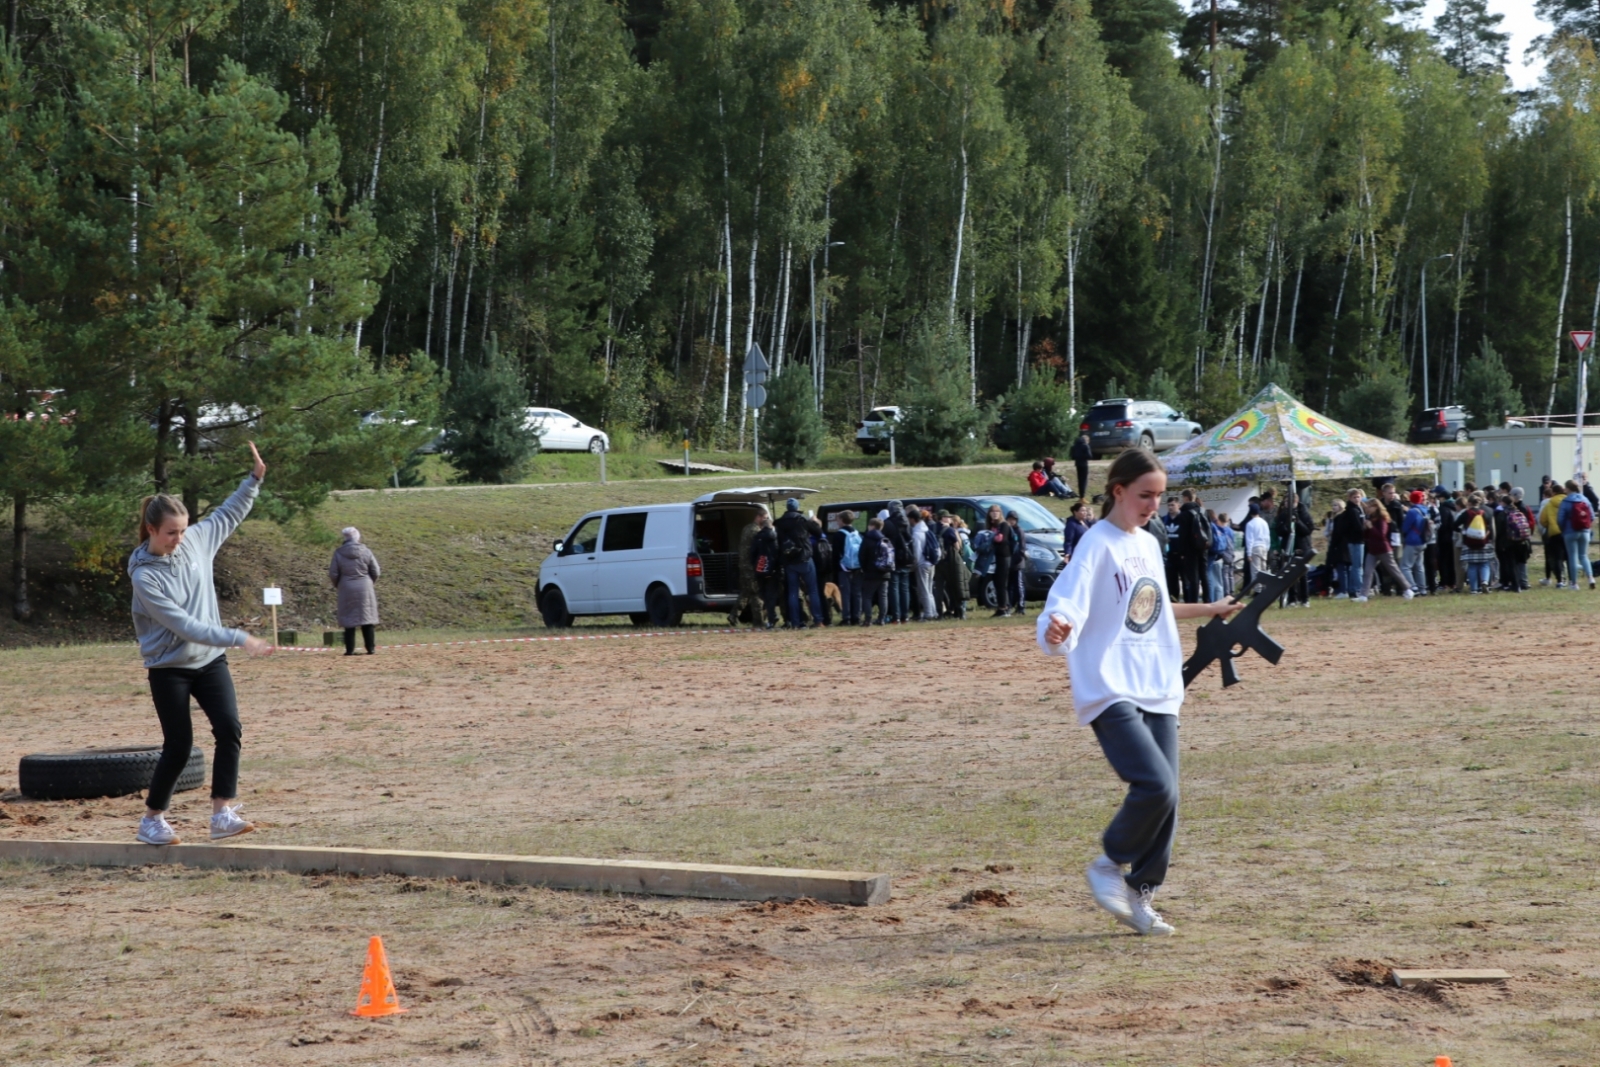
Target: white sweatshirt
x=1257 y=537
x=1124 y=642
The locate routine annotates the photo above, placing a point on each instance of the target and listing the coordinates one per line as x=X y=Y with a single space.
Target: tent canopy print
x=1275 y=438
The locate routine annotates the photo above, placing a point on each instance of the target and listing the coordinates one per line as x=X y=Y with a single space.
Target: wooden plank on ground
x=709 y=881
x=1409 y=977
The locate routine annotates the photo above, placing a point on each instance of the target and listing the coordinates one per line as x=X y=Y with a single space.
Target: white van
x=654 y=562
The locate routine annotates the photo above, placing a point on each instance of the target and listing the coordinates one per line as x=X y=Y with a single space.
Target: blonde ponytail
x=157 y=509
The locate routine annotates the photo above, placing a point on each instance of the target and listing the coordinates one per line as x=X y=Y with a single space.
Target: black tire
x=1462 y=436
x=639 y=618
x=595 y=446
x=1147 y=443
x=553 y=608
x=983 y=592
x=663 y=611
x=101 y=772
x=869 y=448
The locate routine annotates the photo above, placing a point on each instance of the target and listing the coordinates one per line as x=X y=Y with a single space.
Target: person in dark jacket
x=1294 y=523
x=1449 y=553
x=1338 y=557
x=768 y=571
x=1019 y=563
x=1081 y=454
x=1002 y=544
x=847 y=565
x=795 y=532
x=1077 y=525
x=897 y=528
x=353 y=570
x=874 y=576
x=1192 y=547
x=1351 y=527
x=952 y=569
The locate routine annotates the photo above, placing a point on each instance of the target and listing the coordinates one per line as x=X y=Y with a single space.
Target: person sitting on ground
x=353 y=570
x=1053 y=481
x=1037 y=480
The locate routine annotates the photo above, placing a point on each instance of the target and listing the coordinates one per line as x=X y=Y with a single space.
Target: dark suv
x=1441 y=424
x=1117 y=425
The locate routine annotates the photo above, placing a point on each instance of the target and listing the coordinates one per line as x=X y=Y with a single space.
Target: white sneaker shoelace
x=1146 y=919
x=227 y=823
x=156 y=831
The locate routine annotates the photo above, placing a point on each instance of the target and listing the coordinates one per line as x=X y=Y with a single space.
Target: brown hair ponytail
x=155 y=510
x=1126 y=469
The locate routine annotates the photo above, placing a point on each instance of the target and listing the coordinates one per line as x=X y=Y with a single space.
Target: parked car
x=1120 y=424
x=385 y=418
x=872 y=432
x=1448 y=423
x=1044 y=532
x=655 y=562
x=560 y=432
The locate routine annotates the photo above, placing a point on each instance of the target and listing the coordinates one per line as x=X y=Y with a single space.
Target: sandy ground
x=1413 y=785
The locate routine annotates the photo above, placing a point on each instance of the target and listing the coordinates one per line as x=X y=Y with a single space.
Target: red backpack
x=1581 y=517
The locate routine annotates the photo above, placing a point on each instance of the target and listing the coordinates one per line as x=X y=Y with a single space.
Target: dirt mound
x=1362 y=972
x=988 y=898
x=792 y=909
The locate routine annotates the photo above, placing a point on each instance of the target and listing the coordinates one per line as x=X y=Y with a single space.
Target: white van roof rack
x=760 y=494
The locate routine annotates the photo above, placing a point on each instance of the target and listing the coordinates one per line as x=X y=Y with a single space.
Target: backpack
x=793 y=552
x=852 y=549
x=1517 y=520
x=968 y=555
x=1221 y=541
x=1477 y=530
x=1199 y=535
x=822 y=552
x=1581 y=517
x=765 y=563
x=932 y=553
x=885 y=559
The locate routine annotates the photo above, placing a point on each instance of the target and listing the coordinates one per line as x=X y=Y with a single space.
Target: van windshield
x=1033 y=516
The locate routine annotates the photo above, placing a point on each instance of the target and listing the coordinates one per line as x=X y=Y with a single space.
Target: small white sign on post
x=271 y=597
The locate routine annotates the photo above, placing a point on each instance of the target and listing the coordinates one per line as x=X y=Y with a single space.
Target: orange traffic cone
x=377 y=997
x=1441 y=1061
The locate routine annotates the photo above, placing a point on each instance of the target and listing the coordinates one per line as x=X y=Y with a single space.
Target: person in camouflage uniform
x=749 y=587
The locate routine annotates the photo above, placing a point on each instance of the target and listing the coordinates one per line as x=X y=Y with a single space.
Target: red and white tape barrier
x=531 y=640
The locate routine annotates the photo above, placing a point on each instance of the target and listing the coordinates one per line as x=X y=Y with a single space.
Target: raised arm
x=216 y=527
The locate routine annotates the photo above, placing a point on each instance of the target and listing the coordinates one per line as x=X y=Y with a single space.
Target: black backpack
x=822 y=552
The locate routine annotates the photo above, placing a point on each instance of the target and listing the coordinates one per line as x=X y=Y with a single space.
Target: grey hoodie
x=174 y=599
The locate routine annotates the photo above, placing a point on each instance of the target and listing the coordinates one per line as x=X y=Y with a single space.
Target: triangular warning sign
x=1583 y=339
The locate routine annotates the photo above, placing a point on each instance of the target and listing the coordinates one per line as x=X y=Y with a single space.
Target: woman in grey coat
x=352 y=571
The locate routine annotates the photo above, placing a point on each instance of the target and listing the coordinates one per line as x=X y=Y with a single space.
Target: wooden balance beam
x=705 y=880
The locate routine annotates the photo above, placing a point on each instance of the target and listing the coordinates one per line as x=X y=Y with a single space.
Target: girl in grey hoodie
x=184 y=644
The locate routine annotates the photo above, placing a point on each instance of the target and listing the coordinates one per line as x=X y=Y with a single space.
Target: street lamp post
x=1445 y=255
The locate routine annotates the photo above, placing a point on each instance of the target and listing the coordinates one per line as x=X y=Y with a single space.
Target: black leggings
x=212 y=688
x=369 y=635
x=1002 y=582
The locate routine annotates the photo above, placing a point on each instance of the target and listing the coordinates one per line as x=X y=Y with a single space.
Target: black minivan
x=1435 y=425
x=1043 y=533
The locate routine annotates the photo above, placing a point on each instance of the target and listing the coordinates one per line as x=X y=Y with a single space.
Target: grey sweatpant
x=1142 y=748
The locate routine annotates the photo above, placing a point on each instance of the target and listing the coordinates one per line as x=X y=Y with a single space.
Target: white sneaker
x=1145 y=920
x=156 y=831
x=1110 y=891
x=1359 y=599
x=1409 y=594
x=1340 y=596
x=226 y=823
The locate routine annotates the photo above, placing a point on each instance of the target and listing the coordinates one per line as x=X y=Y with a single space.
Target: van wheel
x=659 y=604
x=553 y=607
x=984 y=593
x=639 y=618
x=1147 y=443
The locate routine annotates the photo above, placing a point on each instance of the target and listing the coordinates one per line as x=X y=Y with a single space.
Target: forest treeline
x=315 y=221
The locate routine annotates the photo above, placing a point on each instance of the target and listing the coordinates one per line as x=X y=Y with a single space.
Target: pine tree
x=792 y=430
x=939 y=425
x=1471 y=37
x=1487 y=390
x=1039 y=417
x=488 y=438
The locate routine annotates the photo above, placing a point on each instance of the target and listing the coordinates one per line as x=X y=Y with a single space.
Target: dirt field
x=1415 y=785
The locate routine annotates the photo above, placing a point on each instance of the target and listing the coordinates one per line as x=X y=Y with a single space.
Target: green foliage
x=939 y=424
x=1487 y=390
x=1221 y=393
x=1040 y=420
x=792 y=430
x=488 y=437
x=1376 y=402
x=1161 y=387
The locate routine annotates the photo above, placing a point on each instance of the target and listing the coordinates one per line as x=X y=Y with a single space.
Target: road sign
x=1583 y=339
x=755 y=396
x=756 y=367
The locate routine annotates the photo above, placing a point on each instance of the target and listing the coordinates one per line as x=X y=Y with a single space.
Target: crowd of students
x=912 y=564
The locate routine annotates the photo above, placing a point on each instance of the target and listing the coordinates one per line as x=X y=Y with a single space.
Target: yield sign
x=1583 y=339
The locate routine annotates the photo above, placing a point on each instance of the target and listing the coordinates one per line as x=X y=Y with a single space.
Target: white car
x=560 y=432
x=655 y=562
x=872 y=432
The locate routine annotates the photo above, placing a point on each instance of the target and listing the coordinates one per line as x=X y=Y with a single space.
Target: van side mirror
x=559 y=546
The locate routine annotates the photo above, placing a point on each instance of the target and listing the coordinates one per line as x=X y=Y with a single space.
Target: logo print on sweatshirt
x=1241 y=429
x=1144 y=605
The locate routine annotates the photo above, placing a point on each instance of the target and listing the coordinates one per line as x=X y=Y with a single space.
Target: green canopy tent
x=1276 y=439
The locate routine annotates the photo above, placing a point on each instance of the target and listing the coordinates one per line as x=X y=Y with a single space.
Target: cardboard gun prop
x=1227 y=639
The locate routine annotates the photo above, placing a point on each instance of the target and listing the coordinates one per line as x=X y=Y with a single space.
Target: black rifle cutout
x=1227 y=640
